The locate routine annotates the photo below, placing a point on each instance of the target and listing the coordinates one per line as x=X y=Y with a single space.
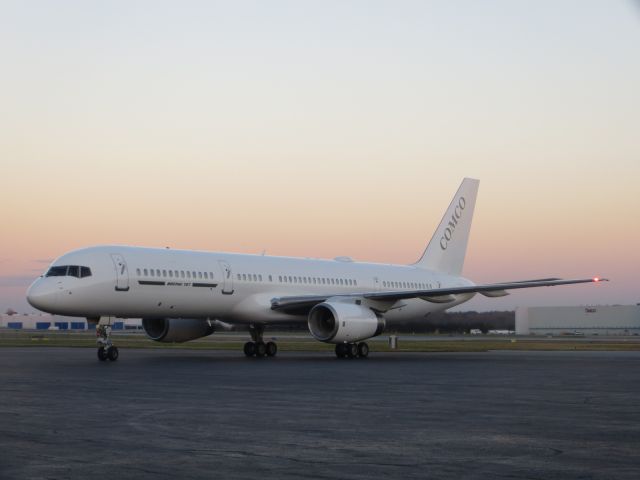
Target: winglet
x=448 y=246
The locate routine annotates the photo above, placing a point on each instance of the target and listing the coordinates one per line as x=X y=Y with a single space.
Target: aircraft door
x=122 y=273
x=227 y=277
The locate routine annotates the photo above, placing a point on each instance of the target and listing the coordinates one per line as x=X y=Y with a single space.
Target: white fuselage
x=134 y=282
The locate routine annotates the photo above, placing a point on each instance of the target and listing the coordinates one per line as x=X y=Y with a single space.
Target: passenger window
x=137 y=271
x=171 y=273
x=280 y=278
x=259 y=277
x=206 y=276
x=188 y=274
x=145 y=272
x=270 y=278
x=164 y=273
x=355 y=283
x=153 y=273
x=157 y=272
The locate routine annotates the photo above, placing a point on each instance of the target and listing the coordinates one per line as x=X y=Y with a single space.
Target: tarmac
x=216 y=414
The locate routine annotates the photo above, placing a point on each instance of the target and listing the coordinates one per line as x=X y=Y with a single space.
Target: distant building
x=45 y=321
x=590 y=320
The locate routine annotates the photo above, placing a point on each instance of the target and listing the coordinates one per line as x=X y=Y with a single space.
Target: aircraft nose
x=42 y=296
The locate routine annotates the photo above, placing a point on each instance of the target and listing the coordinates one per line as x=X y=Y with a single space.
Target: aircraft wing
x=304 y=303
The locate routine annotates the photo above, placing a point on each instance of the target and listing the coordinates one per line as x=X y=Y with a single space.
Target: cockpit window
x=57 y=271
x=69 y=271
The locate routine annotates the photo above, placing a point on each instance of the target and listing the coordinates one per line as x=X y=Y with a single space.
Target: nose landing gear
x=106 y=349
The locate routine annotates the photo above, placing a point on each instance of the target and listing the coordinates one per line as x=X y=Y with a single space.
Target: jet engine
x=338 y=322
x=177 y=330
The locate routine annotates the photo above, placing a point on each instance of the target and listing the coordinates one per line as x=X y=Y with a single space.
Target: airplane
x=184 y=295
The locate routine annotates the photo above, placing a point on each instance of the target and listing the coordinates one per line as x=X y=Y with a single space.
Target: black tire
x=249 y=349
x=363 y=350
x=113 y=353
x=261 y=349
x=352 y=350
x=341 y=350
x=272 y=349
x=102 y=355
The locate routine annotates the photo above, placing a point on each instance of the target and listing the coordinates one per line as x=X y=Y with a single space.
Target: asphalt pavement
x=215 y=414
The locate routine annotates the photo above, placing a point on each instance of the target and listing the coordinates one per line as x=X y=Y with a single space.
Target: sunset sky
x=326 y=128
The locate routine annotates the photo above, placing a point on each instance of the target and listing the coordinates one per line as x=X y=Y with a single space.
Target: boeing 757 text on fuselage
x=183 y=295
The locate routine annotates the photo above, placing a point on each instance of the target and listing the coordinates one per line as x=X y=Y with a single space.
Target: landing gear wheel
x=272 y=349
x=249 y=349
x=352 y=350
x=112 y=354
x=102 y=355
x=106 y=350
x=341 y=350
x=363 y=350
x=261 y=349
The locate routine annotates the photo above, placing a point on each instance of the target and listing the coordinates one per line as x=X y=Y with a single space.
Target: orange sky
x=325 y=130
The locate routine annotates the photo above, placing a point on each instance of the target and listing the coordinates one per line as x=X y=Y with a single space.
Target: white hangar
x=584 y=320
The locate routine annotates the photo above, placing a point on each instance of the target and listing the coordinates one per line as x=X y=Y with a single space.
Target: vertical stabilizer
x=448 y=246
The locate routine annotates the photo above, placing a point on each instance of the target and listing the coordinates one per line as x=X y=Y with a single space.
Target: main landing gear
x=257 y=347
x=352 y=350
x=106 y=349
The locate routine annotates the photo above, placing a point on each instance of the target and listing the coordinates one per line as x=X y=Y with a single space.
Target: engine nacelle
x=176 y=329
x=337 y=322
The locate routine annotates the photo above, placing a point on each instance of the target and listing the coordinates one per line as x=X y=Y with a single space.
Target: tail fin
x=448 y=246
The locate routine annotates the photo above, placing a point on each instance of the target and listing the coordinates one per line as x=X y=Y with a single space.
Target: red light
x=596 y=279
